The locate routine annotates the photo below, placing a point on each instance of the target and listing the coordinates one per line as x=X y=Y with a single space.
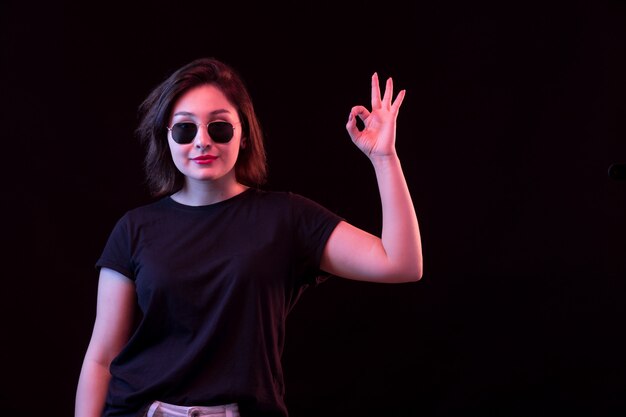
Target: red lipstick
x=204 y=159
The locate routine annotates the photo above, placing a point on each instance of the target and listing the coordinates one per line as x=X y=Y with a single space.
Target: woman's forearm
x=400 y=236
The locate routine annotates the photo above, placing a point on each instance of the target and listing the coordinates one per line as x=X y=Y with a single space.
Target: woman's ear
x=244 y=143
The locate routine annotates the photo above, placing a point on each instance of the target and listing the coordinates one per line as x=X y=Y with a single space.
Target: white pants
x=160 y=409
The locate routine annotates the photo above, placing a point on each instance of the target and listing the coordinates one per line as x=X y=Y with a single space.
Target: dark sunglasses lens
x=221 y=132
x=184 y=132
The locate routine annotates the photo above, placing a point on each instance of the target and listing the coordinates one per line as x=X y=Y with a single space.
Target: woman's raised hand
x=377 y=139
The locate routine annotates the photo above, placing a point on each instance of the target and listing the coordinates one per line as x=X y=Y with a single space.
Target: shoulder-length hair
x=162 y=176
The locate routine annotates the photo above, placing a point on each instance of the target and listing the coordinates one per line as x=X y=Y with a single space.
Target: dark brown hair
x=162 y=175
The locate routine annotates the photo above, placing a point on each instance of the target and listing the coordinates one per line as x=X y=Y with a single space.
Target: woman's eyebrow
x=213 y=113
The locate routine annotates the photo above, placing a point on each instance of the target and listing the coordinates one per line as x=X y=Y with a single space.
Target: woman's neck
x=203 y=194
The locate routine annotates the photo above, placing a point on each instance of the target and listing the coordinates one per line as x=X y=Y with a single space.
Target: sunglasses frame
x=207 y=126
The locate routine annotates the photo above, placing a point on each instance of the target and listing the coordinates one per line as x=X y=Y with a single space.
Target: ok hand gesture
x=377 y=139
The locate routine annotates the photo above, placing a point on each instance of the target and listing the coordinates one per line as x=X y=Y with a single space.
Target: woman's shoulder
x=291 y=202
x=149 y=205
x=145 y=210
x=280 y=196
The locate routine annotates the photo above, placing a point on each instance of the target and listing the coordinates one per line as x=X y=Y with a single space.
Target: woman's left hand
x=377 y=139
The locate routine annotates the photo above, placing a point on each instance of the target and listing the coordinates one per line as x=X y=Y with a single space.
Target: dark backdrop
x=514 y=112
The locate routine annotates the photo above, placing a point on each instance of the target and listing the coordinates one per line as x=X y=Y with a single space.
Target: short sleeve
x=116 y=254
x=314 y=224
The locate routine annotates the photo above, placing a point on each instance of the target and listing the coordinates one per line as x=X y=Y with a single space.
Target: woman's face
x=204 y=158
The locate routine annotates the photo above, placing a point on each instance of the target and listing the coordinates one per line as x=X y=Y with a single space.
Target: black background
x=514 y=113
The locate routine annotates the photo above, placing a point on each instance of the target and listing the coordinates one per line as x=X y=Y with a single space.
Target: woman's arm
x=114 y=319
x=396 y=256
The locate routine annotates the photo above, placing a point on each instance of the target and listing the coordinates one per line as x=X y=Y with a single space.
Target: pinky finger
x=398 y=101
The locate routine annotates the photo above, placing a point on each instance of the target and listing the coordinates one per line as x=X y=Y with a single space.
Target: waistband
x=161 y=409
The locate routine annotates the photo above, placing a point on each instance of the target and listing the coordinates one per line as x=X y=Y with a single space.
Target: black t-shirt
x=214 y=286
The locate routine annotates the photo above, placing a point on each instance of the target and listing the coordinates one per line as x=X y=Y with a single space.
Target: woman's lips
x=204 y=159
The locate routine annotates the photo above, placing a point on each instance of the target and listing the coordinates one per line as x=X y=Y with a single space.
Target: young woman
x=194 y=288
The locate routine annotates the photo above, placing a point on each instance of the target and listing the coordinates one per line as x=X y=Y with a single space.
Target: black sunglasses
x=185 y=132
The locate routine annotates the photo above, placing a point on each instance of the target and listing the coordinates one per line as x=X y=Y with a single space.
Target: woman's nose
x=202 y=140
